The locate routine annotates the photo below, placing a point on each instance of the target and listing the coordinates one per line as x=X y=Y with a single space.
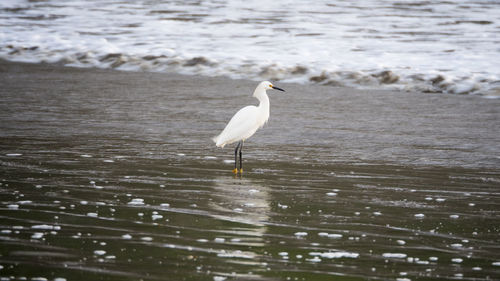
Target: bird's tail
x=216 y=140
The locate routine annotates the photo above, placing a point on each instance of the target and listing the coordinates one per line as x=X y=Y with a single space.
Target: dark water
x=112 y=176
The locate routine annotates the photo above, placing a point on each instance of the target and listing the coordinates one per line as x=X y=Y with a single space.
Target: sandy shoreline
x=109 y=175
x=311 y=123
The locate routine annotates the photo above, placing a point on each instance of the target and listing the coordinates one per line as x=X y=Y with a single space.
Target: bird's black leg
x=236 y=157
x=241 y=158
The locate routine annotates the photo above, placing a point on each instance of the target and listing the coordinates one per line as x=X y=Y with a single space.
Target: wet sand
x=113 y=175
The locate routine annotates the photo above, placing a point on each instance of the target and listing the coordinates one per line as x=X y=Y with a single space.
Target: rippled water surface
x=118 y=180
x=432 y=46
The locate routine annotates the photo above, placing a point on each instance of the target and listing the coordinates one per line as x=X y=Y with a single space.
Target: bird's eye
x=270 y=86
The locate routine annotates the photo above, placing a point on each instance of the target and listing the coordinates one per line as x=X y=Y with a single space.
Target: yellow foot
x=241 y=171
x=235 y=171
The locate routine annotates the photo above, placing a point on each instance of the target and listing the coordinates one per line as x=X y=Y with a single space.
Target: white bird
x=246 y=122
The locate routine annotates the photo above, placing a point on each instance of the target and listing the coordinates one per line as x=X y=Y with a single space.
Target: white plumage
x=242 y=126
x=247 y=120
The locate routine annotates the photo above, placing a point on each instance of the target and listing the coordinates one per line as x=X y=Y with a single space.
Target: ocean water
x=429 y=46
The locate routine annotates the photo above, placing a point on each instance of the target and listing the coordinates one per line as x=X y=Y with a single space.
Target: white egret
x=246 y=122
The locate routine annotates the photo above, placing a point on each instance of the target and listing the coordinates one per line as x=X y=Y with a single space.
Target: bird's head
x=268 y=86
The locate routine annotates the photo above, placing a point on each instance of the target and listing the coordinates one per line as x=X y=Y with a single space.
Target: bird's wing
x=240 y=127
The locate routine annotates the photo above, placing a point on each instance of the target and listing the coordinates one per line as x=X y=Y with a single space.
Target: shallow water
x=117 y=179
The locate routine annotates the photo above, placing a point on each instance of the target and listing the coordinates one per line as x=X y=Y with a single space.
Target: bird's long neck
x=263 y=107
x=261 y=95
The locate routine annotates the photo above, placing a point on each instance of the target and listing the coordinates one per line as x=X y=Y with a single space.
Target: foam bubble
x=394 y=255
x=156 y=217
x=46 y=227
x=314 y=259
x=330 y=235
x=335 y=255
x=136 y=201
x=37 y=235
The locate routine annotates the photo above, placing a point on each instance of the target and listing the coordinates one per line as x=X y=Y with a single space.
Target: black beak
x=279 y=89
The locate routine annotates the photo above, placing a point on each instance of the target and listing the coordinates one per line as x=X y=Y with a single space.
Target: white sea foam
x=443 y=47
x=156 y=217
x=136 y=201
x=99 y=252
x=394 y=255
x=335 y=255
x=46 y=227
x=330 y=235
x=314 y=259
x=37 y=235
